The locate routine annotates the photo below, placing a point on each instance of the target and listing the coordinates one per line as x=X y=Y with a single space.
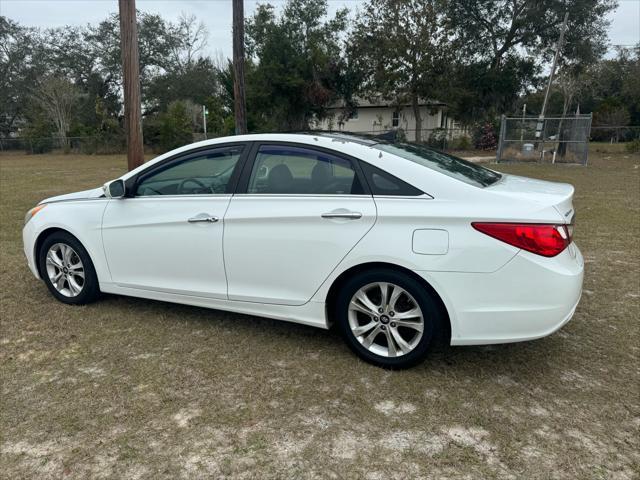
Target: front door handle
x=203 y=217
x=348 y=215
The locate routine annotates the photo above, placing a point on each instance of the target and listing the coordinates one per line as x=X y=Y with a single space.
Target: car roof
x=354 y=145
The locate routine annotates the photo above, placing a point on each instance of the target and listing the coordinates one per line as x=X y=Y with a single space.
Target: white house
x=379 y=115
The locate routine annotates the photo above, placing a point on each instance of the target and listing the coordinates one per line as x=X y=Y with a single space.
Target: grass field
x=128 y=388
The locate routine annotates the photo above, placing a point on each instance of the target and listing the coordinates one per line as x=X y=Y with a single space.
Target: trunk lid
x=541 y=192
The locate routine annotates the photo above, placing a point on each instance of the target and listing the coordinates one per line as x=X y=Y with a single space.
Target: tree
x=189 y=41
x=493 y=29
x=57 y=96
x=196 y=82
x=175 y=127
x=402 y=50
x=294 y=68
x=17 y=72
x=502 y=44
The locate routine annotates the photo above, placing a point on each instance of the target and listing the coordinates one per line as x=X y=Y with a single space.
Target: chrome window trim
x=300 y=195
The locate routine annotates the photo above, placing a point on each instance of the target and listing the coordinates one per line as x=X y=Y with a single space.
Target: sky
x=216 y=15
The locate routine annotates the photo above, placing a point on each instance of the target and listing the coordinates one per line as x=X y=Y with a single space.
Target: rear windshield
x=442 y=162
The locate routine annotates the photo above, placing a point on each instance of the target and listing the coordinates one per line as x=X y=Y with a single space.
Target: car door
x=297 y=213
x=166 y=235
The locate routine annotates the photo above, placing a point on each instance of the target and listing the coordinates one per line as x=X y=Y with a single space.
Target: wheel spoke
x=366 y=302
x=66 y=254
x=402 y=344
x=413 y=313
x=76 y=266
x=391 y=346
x=384 y=294
x=78 y=273
x=59 y=282
x=355 y=305
x=73 y=286
x=416 y=325
x=362 y=329
x=368 y=340
x=52 y=259
x=395 y=295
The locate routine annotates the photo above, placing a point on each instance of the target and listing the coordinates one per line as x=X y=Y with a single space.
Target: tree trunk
x=131 y=72
x=416 y=113
x=238 y=68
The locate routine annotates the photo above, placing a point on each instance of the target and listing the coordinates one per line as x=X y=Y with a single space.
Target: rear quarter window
x=449 y=165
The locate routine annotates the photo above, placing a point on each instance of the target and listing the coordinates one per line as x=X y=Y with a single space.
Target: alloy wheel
x=386 y=319
x=65 y=269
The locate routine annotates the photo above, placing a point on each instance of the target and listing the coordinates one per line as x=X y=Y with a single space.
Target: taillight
x=539 y=238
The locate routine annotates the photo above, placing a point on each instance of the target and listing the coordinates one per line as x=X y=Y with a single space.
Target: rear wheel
x=67 y=269
x=387 y=318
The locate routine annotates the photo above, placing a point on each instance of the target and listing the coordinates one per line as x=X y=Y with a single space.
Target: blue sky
x=216 y=15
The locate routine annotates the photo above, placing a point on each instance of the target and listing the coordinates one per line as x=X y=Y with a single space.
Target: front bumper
x=528 y=298
x=29 y=236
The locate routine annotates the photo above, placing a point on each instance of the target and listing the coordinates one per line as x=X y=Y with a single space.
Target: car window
x=280 y=169
x=208 y=173
x=383 y=183
x=442 y=162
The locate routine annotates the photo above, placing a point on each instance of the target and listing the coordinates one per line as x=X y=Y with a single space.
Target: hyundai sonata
x=394 y=243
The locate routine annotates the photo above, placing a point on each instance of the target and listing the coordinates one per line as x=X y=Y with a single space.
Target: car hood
x=83 y=195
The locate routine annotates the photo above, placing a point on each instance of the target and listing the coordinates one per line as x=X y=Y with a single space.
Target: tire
x=70 y=287
x=352 y=319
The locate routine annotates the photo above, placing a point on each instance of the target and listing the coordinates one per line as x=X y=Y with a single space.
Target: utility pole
x=524 y=112
x=238 y=68
x=552 y=73
x=555 y=62
x=204 y=120
x=131 y=74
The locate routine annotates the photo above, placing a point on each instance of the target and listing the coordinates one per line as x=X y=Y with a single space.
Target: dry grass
x=128 y=388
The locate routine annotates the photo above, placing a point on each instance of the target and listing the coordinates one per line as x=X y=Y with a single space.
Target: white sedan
x=394 y=243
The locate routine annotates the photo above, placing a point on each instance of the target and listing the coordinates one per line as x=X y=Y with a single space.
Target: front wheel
x=387 y=318
x=67 y=270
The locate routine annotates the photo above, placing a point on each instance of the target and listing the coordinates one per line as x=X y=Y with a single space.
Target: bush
x=633 y=146
x=37 y=135
x=460 y=143
x=170 y=129
x=484 y=137
x=437 y=138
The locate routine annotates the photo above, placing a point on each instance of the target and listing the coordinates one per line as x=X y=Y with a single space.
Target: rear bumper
x=529 y=298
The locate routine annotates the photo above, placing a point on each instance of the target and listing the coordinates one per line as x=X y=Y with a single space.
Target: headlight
x=31 y=213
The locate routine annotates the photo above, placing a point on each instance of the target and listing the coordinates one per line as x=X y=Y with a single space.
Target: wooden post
x=238 y=68
x=131 y=75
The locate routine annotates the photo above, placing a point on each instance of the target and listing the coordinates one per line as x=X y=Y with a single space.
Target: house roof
x=379 y=101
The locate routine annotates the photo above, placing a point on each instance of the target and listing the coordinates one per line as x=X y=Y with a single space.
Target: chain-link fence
x=442 y=138
x=544 y=140
x=87 y=145
x=615 y=133
x=449 y=138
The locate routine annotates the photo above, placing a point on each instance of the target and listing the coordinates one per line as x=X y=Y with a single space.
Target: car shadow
x=525 y=360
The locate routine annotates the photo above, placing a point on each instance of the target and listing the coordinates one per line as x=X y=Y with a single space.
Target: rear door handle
x=203 y=217
x=349 y=215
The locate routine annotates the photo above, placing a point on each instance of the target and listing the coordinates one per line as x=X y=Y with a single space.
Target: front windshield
x=442 y=162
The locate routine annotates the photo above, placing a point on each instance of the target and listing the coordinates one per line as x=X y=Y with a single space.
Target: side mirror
x=115 y=189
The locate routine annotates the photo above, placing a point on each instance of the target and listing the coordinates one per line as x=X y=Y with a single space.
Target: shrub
x=437 y=138
x=174 y=127
x=633 y=146
x=484 y=137
x=38 y=136
x=460 y=143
